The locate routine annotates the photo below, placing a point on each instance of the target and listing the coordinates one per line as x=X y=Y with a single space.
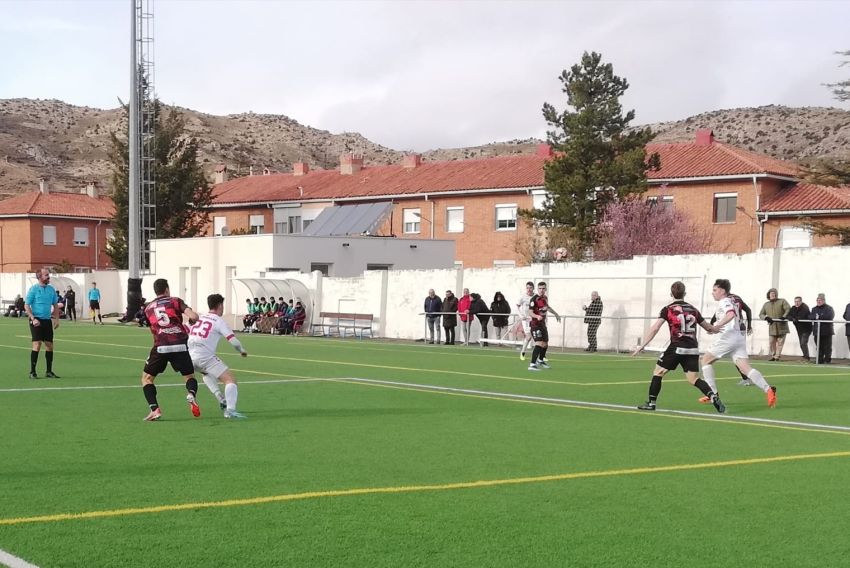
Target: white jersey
x=732 y=329
x=523 y=306
x=204 y=336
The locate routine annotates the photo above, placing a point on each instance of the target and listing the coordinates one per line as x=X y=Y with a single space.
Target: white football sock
x=212 y=384
x=231 y=393
x=708 y=376
x=757 y=378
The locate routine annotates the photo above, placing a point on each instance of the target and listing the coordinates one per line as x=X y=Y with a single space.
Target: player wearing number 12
x=165 y=315
x=203 y=341
x=682 y=319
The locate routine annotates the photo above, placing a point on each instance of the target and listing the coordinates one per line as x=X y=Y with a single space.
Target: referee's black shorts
x=43 y=331
x=94 y=304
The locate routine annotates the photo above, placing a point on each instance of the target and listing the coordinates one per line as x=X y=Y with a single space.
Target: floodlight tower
x=142 y=190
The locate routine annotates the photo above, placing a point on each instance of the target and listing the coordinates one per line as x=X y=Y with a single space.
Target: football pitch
x=380 y=454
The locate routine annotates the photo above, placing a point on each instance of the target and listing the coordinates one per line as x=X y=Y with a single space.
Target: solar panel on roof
x=348 y=220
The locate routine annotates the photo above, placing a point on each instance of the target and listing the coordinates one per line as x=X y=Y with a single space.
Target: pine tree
x=182 y=191
x=598 y=159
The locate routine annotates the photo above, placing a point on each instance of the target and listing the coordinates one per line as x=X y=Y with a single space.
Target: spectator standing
x=463 y=309
x=94 y=304
x=847 y=325
x=800 y=311
x=593 y=319
x=823 y=332
x=450 y=316
x=71 y=304
x=433 y=307
x=42 y=307
x=500 y=306
x=478 y=308
x=774 y=312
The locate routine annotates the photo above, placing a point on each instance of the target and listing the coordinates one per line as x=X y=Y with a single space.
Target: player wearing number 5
x=203 y=341
x=682 y=319
x=165 y=315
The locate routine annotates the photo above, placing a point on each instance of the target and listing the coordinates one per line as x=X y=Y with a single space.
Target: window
x=506 y=217
x=724 y=207
x=48 y=235
x=81 y=237
x=454 y=219
x=379 y=266
x=325 y=269
x=539 y=199
x=258 y=224
x=504 y=264
x=218 y=225
x=664 y=201
x=458 y=264
x=110 y=234
x=411 y=220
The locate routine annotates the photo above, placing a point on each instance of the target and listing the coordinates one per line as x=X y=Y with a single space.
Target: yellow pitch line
x=413 y=488
x=593 y=408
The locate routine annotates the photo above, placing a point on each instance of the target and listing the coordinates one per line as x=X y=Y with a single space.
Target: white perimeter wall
x=199 y=267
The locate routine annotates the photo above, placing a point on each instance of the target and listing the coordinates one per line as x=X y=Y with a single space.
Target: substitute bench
x=337 y=323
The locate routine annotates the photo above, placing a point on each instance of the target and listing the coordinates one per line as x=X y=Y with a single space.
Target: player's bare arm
x=191 y=314
x=650 y=335
x=556 y=314
x=730 y=315
x=707 y=327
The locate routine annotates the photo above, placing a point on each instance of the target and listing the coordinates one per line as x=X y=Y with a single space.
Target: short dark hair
x=214 y=301
x=530 y=283
x=677 y=290
x=724 y=284
x=798 y=298
x=541 y=283
x=160 y=285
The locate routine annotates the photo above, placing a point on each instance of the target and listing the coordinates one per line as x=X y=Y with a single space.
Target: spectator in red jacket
x=463 y=309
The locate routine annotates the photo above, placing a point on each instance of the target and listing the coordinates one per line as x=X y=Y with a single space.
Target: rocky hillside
x=68 y=144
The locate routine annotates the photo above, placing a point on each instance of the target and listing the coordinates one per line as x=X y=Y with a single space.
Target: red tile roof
x=687 y=160
x=58 y=205
x=373 y=181
x=684 y=160
x=809 y=197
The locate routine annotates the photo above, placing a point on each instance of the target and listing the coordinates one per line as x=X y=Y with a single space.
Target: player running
x=731 y=341
x=525 y=321
x=165 y=315
x=538 y=310
x=682 y=318
x=203 y=341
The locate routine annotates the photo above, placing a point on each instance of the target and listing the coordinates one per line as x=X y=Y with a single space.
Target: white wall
x=197 y=267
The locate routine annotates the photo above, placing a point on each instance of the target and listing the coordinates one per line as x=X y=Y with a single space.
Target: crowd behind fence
x=620 y=335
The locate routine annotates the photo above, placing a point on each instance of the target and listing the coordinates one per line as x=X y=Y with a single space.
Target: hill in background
x=68 y=144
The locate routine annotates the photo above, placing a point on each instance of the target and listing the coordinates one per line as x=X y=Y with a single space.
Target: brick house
x=41 y=228
x=745 y=200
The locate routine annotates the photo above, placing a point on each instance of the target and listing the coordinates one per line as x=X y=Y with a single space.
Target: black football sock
x=534 y=354
x=703 y=387
x=543 y=351
x=48 y=355
x=33 y=360
x=654 y=389
x=150 y=396
x=192 y=386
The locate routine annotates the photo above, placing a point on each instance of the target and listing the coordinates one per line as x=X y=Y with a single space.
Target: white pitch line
x=12 y=561
x=510 y=396
x=164 y=385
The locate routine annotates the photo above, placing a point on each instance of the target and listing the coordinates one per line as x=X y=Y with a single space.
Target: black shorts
x=43 y=332
x=94 y=304
x=671 y=359
x=540 y=334
x=180 y=362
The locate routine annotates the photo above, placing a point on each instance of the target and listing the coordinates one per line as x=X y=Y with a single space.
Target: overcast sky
x=426 y=74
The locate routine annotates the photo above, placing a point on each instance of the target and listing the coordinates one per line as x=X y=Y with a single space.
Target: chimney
x=250 y=170
x=42 y=186
x=350 y=164
x=266 y=171
x=300 y=168
x=91 y=189
x=220 y=173
x=705 y=137
x=545 y=150
x=412 y=160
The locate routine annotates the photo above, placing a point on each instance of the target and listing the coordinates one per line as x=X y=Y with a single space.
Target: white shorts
x=211 y=366
x=734 y=346
x=526 y=327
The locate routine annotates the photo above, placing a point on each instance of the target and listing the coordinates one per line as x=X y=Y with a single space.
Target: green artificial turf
x=619 y=494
